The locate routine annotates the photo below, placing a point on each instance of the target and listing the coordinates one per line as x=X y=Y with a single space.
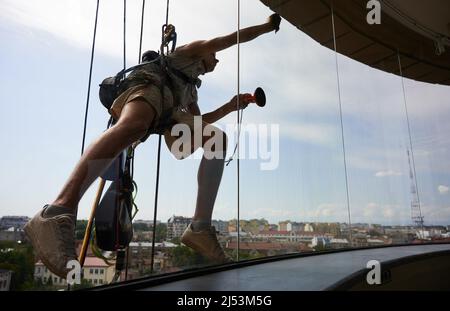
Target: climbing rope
x=142 y=31
x=86 y=240
x=342 y=125
x=158 y=162
x=90 y=79
x=239 y=124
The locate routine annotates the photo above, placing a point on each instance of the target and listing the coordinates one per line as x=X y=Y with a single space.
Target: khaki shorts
x=152 y=95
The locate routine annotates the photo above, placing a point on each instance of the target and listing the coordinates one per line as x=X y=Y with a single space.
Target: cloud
x=373 y=212
x=271 y=214
x=443 y=189
x=313 y=133
x=436 y=214
x=332 y=212
x=370 y=209
x=388 y=173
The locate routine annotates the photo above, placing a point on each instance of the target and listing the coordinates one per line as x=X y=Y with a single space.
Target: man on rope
x=139 y=110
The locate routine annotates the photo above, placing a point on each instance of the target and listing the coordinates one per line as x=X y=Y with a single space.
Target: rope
x=142 y=31
x=227 y=162
x=124 y=34
x=342 y=125
x=131 y=149
x=83 y=140
x=240 y=113
x=90 y=79
x=239 y=124
x=155 y=211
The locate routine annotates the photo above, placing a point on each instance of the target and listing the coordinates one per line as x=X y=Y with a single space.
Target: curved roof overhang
x=417 y=30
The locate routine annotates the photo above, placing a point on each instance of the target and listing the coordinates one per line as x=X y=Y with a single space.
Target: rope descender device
x=169 y=35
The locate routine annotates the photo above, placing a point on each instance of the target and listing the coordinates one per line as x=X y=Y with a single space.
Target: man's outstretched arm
x=202 y=47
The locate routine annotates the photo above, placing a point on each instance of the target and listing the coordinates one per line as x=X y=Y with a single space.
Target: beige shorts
x=152 y=95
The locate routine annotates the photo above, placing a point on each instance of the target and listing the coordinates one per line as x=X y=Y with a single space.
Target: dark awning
x=377 y=45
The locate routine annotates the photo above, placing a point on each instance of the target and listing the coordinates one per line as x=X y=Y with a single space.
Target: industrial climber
x=140 y=110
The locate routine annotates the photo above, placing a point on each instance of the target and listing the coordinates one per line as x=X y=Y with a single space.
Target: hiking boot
x=205 y=242
x=53 y=240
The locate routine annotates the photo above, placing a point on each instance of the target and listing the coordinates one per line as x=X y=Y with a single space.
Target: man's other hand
x=275 y=20
x=244 y=100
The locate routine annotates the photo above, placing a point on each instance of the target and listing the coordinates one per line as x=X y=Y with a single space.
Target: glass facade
x=342 y=156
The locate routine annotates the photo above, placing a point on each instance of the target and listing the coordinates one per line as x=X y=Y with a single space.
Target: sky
x=45 y=56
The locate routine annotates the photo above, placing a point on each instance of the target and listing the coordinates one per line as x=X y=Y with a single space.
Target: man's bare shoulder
x=193 y=49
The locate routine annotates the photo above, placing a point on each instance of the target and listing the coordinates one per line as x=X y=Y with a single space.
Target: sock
x=200 y=225
x=55 y=210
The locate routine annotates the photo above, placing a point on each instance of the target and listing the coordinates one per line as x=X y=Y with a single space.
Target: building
x=95 y=271
x=232 y=226
x=235 y=235
x=359 y=240
x=149 y=223
x=291 y=226
x=376 y=242
x=221 y=226
x=142 y=236
x=297 y=226
x=141 y=253
x=339 y=243
x=308 y=228
x=17 y=222
x=5 y=280
x=285 y=236
x=285 y=226
x=12 y=234
x=176 y=226
x=320 y=241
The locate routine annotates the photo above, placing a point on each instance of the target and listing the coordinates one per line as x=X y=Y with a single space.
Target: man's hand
x=274 y=20
x=244 y=100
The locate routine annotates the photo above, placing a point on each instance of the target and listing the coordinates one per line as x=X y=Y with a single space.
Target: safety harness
x=112 y=87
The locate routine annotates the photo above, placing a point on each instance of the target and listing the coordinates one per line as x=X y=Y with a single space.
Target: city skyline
x=150 y=222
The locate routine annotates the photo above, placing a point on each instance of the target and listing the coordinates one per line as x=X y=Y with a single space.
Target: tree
x=176 y=240
x=183 y=256
x=141 y=227
x=84 y=284
x=19 y=259
x=80 y=229
x=160 y=232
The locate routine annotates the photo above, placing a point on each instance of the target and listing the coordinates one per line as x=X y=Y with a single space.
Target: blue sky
x=45 y=56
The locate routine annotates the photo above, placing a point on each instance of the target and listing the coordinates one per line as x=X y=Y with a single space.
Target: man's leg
x=200 y=235
x=133 y=123
x=208 y=178
x=51 y=231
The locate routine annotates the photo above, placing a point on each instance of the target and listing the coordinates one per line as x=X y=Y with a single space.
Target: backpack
x=112 y=87
x=113 y=217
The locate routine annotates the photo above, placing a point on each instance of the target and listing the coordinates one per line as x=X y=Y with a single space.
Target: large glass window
x=342 y=155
